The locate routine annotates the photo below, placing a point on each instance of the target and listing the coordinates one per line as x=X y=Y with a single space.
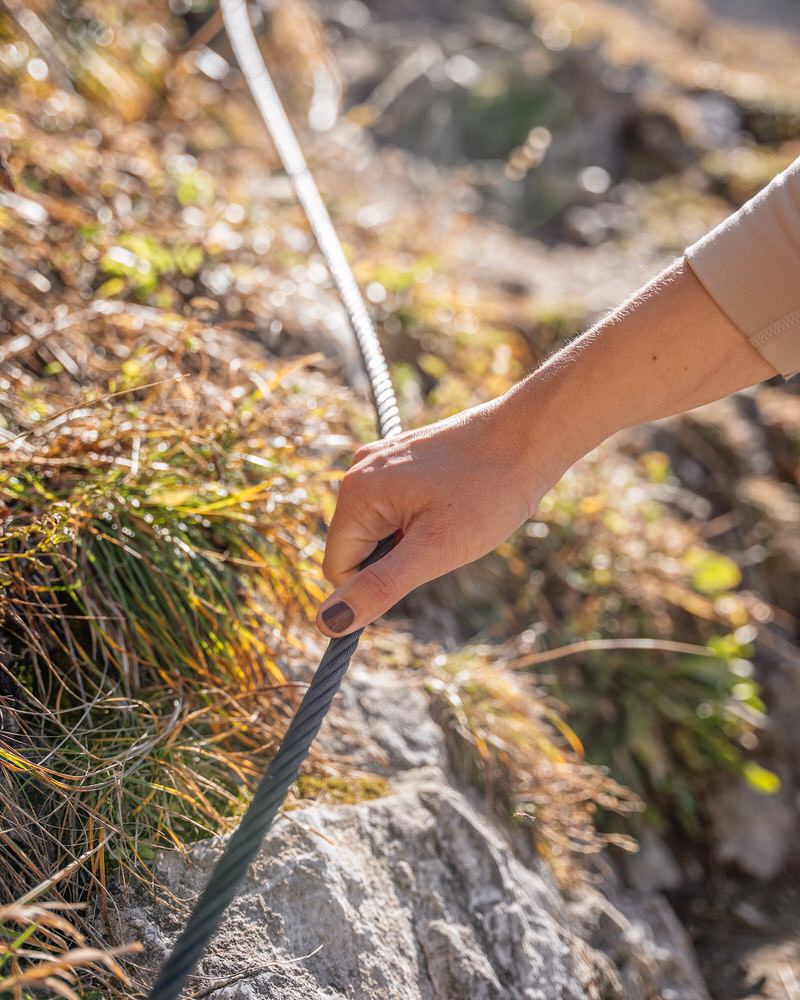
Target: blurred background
x=501 y=174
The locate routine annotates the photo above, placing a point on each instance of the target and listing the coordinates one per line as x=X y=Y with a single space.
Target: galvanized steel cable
x=248 y=55
x=282 y=772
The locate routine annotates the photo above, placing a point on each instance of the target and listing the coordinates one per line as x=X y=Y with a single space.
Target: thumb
x=375 y=589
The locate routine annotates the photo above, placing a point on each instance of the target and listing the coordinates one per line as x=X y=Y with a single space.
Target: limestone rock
x=415 y=896
x=653 y=867
x=411 y=897
x=648 y=945
x=384 y=718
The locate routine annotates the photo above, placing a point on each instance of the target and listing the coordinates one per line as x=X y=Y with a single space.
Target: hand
x=455 y=489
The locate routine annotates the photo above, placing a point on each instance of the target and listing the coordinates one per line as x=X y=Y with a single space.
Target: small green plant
x=666 y=725
x=137 y=264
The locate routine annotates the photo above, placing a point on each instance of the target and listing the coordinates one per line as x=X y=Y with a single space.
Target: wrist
x=665 y=350
x=559 y=419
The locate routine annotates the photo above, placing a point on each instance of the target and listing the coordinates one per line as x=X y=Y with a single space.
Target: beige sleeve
x=750 y=265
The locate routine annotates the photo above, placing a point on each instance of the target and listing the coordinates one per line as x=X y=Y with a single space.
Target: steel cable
x=282 y=772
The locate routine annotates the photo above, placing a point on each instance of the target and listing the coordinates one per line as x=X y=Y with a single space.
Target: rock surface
x=756 y=832
x=415 y=896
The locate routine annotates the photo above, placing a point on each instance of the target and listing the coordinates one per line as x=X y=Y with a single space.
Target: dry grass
x=638 y=626
x=159 y=553
x=159 y=548
x=506 y=735
x=41 y=949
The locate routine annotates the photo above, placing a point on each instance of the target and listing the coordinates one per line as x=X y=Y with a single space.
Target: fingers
x=368 y=509
x=354 y=531
x=371 y=592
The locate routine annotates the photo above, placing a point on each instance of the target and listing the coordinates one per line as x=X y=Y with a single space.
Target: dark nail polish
x=338 y=616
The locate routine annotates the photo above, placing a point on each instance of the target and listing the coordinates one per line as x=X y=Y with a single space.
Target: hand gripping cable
x=282 y=772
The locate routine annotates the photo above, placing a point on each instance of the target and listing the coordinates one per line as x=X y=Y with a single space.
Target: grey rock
x=751 y=915
x=411 y=897
x=653 y=867
x=646 y=942
x=388 y=716
x=416 y=896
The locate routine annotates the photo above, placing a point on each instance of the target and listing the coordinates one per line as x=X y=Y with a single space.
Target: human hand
x=455 y=490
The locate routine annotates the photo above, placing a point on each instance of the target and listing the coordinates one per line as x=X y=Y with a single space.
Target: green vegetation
x=667 y=712
x=666 y=725
x=342 y=790
x=138 y=263
x=158 y=551
x=167 y=450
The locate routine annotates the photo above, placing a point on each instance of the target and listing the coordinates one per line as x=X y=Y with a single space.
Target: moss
x=342 y=790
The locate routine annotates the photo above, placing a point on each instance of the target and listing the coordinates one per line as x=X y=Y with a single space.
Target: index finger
x=354 y=531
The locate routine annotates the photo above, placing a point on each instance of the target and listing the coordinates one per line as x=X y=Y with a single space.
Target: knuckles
x=361 y=475
x=352 y=484
x=364 y=452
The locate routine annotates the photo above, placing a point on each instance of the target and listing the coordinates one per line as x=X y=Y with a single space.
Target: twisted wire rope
x=282 y=772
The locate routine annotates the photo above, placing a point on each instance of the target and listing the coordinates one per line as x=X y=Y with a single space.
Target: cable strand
x=246 y=840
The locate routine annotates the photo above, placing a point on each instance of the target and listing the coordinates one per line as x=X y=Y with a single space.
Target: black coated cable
x=282 y=772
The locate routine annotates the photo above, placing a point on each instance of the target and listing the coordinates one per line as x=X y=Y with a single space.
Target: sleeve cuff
x=750 y=266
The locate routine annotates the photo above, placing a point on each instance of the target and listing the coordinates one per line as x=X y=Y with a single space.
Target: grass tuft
x=40 y=948
x=510 y=739
x=159 y=555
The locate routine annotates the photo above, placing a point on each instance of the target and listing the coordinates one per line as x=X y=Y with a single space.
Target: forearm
x=666 y=350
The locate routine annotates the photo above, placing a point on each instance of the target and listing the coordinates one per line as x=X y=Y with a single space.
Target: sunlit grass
x=159 y=554
x=41 y=949
x=159 y=547
x=509 y=737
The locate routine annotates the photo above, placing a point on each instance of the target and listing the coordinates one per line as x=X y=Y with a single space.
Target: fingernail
x=338 y=616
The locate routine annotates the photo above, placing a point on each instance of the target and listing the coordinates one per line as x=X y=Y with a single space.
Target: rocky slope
x=417 y=895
